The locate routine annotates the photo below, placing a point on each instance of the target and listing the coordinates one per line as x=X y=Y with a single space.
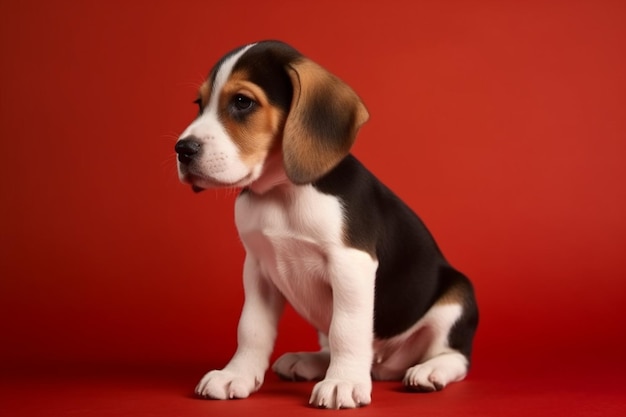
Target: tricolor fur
x=322 y=233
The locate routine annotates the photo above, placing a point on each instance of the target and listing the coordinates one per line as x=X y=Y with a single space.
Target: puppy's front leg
x=348 y=382
x=256 y=334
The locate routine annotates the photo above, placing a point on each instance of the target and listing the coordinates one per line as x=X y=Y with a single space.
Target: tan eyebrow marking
x=260 y=132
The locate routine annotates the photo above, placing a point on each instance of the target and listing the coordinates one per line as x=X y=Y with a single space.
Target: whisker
x=170 y=136
x=192 y=84
x=232 y=191
x=202 y=77
x=169 y=161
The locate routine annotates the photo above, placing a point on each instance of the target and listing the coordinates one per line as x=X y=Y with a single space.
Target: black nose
x=187 y=148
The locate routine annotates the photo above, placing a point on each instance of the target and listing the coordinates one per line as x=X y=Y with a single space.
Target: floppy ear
x=322 y=123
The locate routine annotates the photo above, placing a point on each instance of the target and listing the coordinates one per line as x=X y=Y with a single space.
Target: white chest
x=293 y=236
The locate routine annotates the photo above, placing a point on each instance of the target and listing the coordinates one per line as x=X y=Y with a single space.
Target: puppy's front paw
x=302 y=366
x=224 y=385
x=341 y=393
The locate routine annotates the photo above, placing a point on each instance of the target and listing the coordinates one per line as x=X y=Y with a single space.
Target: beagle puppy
x=322 y=233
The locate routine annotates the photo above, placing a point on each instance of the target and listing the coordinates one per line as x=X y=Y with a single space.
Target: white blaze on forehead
x=223 y=73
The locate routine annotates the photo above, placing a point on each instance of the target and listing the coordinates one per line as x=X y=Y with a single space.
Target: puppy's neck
x=273 y=175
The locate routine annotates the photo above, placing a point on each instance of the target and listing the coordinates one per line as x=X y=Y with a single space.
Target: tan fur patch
x=259 y=132
x=455 y=294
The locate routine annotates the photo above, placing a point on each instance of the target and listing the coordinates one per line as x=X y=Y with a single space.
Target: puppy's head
x=262 y=102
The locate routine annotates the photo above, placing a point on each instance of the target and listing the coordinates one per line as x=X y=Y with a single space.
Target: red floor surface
x=580 y=390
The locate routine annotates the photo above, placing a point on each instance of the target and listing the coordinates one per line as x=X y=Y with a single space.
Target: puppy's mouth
x=196 y=189
x=199 y=184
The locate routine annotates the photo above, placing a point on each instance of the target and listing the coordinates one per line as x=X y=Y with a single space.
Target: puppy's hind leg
x=304 y=366
x=453 y=323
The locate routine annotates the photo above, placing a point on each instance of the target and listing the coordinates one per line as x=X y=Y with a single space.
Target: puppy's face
x=264 y=99
x=236 y=128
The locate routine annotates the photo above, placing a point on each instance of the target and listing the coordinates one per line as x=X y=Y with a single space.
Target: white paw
x=340 y=393
x=436 y=373
x=425 y=378
x=224 y=385
x=302 y=366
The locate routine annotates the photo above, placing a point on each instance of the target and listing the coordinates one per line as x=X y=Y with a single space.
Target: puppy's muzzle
x=187 y=149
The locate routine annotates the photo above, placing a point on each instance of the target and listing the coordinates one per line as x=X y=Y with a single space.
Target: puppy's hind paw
x=302 y=366
x=436 y=373
x=424 y=379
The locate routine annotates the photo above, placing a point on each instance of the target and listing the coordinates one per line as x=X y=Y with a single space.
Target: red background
x=503 y=124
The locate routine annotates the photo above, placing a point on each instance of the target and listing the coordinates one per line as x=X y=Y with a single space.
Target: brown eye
x=242 y=103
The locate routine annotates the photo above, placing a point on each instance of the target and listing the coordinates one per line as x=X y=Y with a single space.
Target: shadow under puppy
x=322 y=233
